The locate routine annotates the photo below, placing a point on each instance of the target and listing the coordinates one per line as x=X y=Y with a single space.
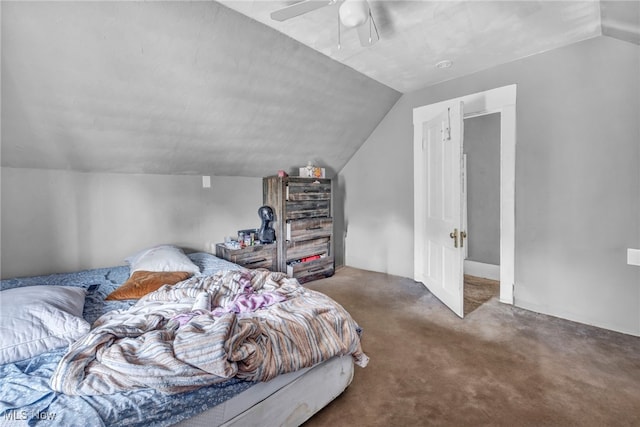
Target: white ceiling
x=415 y=35
x=181 y=87
x=173 y=88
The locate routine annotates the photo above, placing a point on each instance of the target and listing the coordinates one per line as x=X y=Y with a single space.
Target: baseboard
x=480 y=269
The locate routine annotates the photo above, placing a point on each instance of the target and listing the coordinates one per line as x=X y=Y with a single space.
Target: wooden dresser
x=257 y=256
x=303 y=225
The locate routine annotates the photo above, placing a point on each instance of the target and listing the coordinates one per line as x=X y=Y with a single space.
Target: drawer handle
x=319 y=227
x=256 y=261
x=311 y=270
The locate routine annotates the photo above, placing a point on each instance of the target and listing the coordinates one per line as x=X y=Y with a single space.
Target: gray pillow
x=37 y=319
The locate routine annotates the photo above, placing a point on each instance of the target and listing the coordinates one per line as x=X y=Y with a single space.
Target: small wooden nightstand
x=256 y=256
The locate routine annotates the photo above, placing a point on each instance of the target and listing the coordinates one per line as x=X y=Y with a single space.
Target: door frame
x=500 y=100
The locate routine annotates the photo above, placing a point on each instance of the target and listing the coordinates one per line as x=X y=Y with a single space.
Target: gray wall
x=60 y=221
x=577 y=182
x=338 y=196
x=482 y=147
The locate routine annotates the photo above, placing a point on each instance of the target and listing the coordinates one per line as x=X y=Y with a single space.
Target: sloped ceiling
x=200 y=88
x=173 y=88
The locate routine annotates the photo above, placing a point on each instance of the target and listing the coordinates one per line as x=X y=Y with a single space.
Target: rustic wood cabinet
x=303 y=225
x=257 y=256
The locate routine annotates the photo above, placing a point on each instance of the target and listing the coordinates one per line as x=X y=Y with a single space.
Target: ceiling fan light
x=353 y=13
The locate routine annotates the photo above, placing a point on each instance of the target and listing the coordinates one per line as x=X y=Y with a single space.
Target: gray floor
x=499 y=366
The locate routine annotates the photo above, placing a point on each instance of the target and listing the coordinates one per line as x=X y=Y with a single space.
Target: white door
x=439 y=212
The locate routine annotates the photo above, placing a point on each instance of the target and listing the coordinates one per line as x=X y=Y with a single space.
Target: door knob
x=463 y=235
x=454 y=236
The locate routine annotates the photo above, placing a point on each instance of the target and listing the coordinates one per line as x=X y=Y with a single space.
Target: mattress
x=286 y=400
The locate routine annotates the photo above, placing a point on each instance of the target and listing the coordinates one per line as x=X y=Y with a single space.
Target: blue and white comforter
x=27 y=399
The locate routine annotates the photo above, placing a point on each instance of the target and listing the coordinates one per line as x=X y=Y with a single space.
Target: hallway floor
x=478 y=291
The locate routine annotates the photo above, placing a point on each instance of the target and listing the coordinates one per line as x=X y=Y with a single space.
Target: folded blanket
x=262 y=324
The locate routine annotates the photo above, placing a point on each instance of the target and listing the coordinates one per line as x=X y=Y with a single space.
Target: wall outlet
x=206 y=182
x=633 y=257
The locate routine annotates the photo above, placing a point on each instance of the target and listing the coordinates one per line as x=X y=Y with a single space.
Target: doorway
x=503 y=101
x=481 y=190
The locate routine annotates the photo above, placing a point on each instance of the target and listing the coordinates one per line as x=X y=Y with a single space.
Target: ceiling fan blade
x=298 y=9
x=368 y=33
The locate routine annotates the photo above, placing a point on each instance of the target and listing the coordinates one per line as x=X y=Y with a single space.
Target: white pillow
x=161 y=258
x=36 y=319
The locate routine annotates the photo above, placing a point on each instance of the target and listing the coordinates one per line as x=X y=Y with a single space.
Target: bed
x=86 y=396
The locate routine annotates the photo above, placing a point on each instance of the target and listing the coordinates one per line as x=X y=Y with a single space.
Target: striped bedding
x=165 y=343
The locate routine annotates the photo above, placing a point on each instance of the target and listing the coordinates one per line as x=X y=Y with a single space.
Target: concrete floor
x=499 y=366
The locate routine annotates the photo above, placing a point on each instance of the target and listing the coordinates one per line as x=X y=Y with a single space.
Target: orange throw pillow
x=143 y=282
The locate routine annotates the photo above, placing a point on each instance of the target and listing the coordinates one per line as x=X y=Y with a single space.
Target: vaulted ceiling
x=211 y=89
x=173 y=88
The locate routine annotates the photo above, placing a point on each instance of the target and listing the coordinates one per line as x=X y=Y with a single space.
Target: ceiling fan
x=351 y=13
